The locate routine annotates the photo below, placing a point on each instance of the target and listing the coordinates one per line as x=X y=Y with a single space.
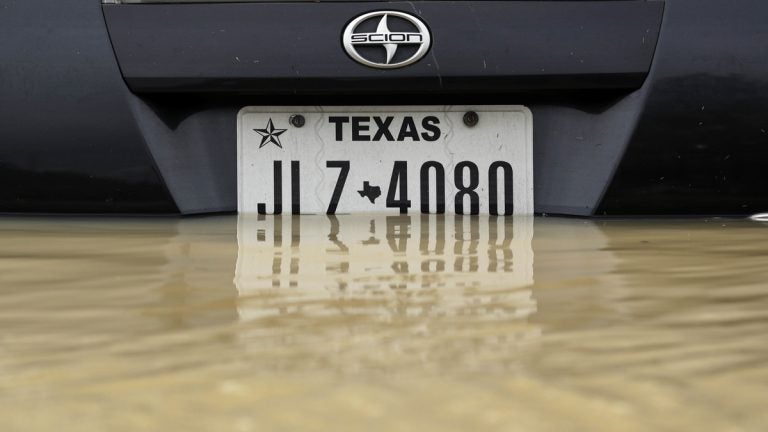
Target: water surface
x=383 y=323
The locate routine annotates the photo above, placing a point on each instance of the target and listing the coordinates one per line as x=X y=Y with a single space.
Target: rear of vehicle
x=625 y=107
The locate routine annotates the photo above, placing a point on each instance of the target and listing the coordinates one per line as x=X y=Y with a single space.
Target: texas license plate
x=410 y=159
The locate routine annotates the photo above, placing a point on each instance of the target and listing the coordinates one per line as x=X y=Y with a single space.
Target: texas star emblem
x=270 y=135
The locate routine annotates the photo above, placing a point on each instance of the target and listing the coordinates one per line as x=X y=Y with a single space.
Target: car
x=583 y=108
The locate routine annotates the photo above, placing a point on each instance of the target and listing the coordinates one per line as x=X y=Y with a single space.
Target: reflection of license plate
x=385 y=159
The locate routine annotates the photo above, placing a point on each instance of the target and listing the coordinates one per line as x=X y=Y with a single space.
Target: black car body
x=639 y=107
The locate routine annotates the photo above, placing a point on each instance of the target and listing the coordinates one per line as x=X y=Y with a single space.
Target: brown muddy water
x=383 y=323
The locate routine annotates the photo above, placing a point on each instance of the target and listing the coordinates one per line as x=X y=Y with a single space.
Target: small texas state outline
x=370 y=192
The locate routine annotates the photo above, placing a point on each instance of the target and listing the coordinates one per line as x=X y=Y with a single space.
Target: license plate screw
x=471 y=119
x=297 y=120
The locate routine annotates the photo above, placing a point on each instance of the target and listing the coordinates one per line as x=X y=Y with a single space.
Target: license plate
x=413 y=159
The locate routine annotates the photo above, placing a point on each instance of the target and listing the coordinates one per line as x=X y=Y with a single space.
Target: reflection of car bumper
x=132 y=108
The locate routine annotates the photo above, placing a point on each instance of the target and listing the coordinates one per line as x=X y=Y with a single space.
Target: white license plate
x=410 y=159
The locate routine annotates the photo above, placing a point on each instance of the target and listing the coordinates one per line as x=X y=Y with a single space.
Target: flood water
x=383 y=323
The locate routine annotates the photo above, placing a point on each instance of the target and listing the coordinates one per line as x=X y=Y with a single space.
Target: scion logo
x=405 y=39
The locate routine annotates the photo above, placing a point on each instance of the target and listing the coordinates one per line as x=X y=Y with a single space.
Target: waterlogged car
x=624 y=107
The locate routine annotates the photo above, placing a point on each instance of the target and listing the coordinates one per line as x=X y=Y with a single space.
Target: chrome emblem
x=414 y=43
